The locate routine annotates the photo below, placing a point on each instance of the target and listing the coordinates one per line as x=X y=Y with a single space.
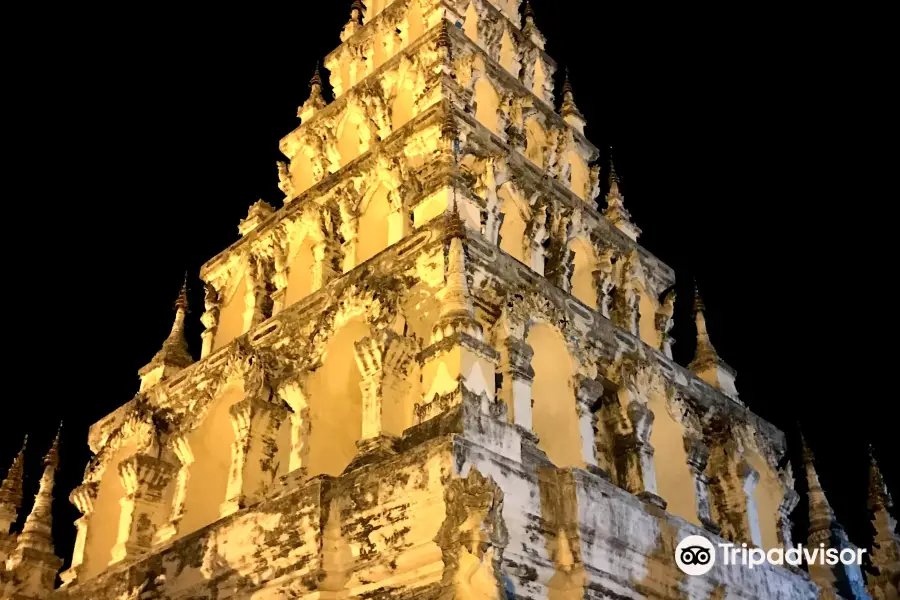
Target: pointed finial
x=52 y=457
x=567 y=85
x=613 y=177
x=878 y=492
x=11 y=487
x=529 y=11
x=316 y=80
x=698 y=300
x=359 y=8
x=182 y=302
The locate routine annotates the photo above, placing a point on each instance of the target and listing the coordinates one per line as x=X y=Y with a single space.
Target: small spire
x=316 y=80
x=705 y=352
x=821 y=515
x=11 y=488
x=355 y=22
x=457 y=310
x=568 y=109
x=37 y=533
x=615 y=210
x=174 y=351
x=315 y=101
x=359 y=8
x=879 y=497
x=567 y=86
x=529 y=11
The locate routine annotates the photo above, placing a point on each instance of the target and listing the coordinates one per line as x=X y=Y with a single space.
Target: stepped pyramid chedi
x=442 y=369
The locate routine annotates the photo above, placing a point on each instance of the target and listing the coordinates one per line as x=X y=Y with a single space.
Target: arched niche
x=300 y=270
x=647 y=324
x=540 y=79
x=580 y=176
x=335 y=403
x=403 y=107
x=211 y=447
x=415 y=21
x=487 y=105
x=302 y=174
x=348 y=145
x=508 y=53
x=554 y=413
x=512 y=231
x=535 y=142
x=767 y=496
x=674 y=481
x=470 y=26
x=232 y=315
x=103 y=531
x=374 y=228
x=585 y=263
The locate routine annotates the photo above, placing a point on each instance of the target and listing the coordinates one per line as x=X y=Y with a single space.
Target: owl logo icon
x=695 y=555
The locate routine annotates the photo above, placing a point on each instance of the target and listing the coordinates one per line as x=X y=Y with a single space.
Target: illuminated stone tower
x=439 y=370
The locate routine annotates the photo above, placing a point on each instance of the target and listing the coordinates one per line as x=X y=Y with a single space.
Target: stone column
x=604 y=282
x=145 y=480
x=253 y=464
x=384 y=360
x=518 y=375
x=83 y=498
x=210 y=320
x=587 y=392
x=697 y=459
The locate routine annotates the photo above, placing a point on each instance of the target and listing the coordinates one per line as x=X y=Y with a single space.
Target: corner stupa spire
x=11 y=491
x=174 y=354
x=569 y=111
x=36 y=534
x=457 y=311
x=707 y=363
x=826 y=532
x=884 y=580
x=315 y=102
x=33 y=563
x=615 y=205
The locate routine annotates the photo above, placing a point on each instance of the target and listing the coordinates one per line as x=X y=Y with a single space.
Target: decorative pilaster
x=587 y=392
x=210 y=319
x=697 y=458
x=536 y=233
x=384 y=360
x=885 y=579
x=83 y=497
x=185 y=456
x=634 y=454
x=844 y=580
x=730 y=479
x=327 y=255
x=786 y=508
x=605 y=282
x=253 y=454
x=34 y=562
x=665 y=321
x=626 y=311
x=280 y=273
x=258 y=291
x=517 y=378
x=144 y=508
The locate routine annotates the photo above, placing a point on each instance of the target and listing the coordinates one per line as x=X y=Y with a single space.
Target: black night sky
x=755 y=152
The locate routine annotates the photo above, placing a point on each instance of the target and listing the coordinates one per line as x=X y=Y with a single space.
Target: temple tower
x=440 y=368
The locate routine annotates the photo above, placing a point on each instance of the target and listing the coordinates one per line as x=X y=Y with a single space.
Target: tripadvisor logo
x=696 y=555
